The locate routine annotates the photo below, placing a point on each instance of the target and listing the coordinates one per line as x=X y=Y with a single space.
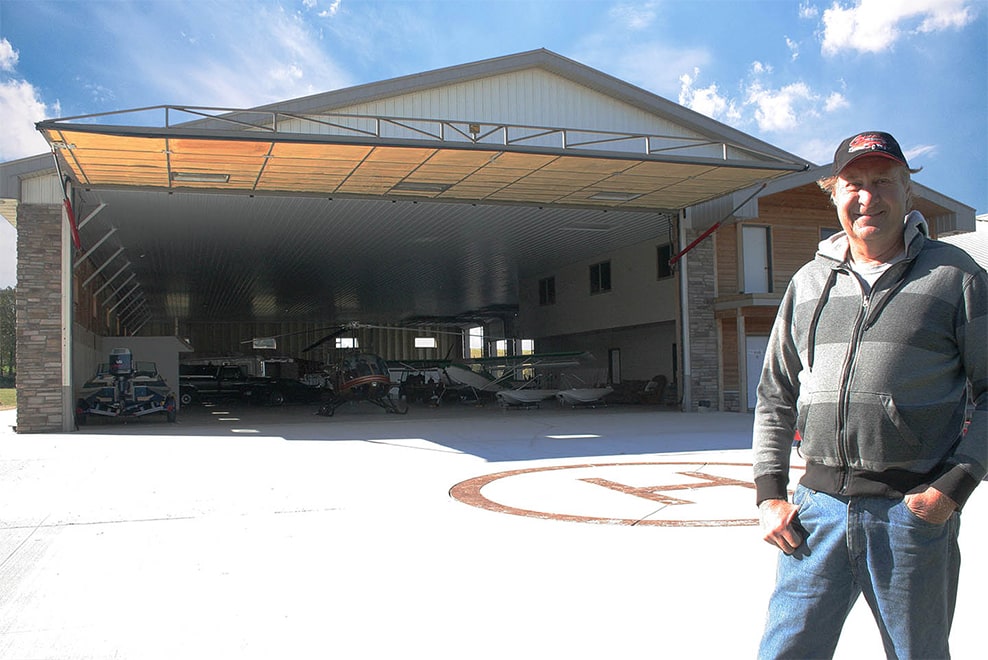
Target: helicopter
x=358 y=376
x=361 y=377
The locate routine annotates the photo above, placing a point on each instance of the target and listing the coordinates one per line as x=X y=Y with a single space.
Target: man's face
x=871 y=197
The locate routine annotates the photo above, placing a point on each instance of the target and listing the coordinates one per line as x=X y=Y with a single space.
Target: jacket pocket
x=878 y=437
x=870 y=431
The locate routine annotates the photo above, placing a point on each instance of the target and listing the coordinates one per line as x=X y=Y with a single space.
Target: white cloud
x=807 y=10
x=313 y=5
x=873 y=26
x=819 y=150
x=8 y=56
x=773 y=110
x=793 y=47
x=210 y=60
x=706 y=100
x=779 y=110
x=650 y=65
x=20 y=108
x=836 y=101
x=759 y=68
x=913 y=154
x=635 y=16
x=334 y=7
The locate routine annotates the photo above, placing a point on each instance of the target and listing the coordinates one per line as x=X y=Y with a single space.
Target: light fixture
x=200 y=177
x=420 y=186
x=586 y=226
x=614 y=196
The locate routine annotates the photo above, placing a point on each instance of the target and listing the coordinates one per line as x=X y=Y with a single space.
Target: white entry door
x=755 y=352
x=754 y=251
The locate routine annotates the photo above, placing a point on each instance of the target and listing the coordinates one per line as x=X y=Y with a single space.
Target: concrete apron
x=623 y=532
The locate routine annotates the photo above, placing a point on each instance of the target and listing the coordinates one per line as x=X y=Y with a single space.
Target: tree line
x=8 y=324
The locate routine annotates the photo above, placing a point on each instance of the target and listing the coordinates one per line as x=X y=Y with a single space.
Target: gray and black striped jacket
x=877 y=383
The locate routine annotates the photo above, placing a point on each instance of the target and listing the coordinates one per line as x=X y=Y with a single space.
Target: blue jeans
x=906 y=568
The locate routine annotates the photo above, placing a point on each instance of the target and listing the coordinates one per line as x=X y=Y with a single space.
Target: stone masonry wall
x=703 y=327
x=39 y=326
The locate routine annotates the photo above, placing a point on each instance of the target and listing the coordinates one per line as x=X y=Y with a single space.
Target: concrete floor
x=264 y=533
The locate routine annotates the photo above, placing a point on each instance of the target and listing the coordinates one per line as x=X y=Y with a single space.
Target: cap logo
x=867 y=141
x=864 y=144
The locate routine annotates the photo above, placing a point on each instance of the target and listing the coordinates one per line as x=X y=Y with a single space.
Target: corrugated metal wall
x=231 y=339
x=523 y=98
x=43 y=189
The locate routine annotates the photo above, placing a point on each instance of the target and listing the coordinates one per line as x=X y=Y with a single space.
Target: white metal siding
x=42 y=189
x=637 y=296
x=523 y=98
x=530 y=97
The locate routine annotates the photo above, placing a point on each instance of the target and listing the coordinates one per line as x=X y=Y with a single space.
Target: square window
x=663 y=269
x=600 y=277
x=547 y=291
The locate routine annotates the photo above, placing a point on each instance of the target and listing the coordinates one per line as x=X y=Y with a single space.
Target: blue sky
x=799 y=74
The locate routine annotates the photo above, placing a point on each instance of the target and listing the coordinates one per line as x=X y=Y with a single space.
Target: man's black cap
x=870 y=143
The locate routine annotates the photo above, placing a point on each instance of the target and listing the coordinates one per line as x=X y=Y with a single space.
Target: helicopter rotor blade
x=319 y=342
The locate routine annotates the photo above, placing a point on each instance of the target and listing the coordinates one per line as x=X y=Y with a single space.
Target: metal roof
x=974 y=243
x=441 y=160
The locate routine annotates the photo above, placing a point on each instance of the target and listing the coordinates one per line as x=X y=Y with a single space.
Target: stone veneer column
x=39 y=318
x=703 y=326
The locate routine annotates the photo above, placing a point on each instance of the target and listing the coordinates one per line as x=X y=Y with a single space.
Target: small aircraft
x=509 y=380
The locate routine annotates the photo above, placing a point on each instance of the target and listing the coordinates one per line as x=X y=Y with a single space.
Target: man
x=877 y=349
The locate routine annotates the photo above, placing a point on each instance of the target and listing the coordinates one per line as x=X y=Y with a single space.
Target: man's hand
x=929 y=504
x=777 y=517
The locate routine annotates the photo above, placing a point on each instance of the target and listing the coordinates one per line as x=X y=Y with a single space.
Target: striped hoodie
x=877 y=384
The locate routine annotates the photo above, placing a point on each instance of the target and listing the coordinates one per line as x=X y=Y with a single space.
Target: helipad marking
x=700 y=477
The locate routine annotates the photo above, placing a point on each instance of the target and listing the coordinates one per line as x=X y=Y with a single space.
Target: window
x=600 y=277
x=347 y=342
x=663 y=269
x=527 y=348
x=547 y=291
x=476 y=342
x=425 y=342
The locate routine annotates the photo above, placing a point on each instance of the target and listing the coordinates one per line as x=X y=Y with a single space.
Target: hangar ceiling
x=223 y=257
x=432 y=220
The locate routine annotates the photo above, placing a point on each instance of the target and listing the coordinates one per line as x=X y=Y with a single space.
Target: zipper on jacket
x=843 y=409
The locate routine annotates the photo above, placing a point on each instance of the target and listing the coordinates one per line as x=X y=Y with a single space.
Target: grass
x=8 y=398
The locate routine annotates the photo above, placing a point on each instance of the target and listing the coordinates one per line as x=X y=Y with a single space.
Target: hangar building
x=528 y=196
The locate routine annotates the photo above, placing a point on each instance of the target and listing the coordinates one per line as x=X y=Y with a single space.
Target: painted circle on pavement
x=653 y=493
